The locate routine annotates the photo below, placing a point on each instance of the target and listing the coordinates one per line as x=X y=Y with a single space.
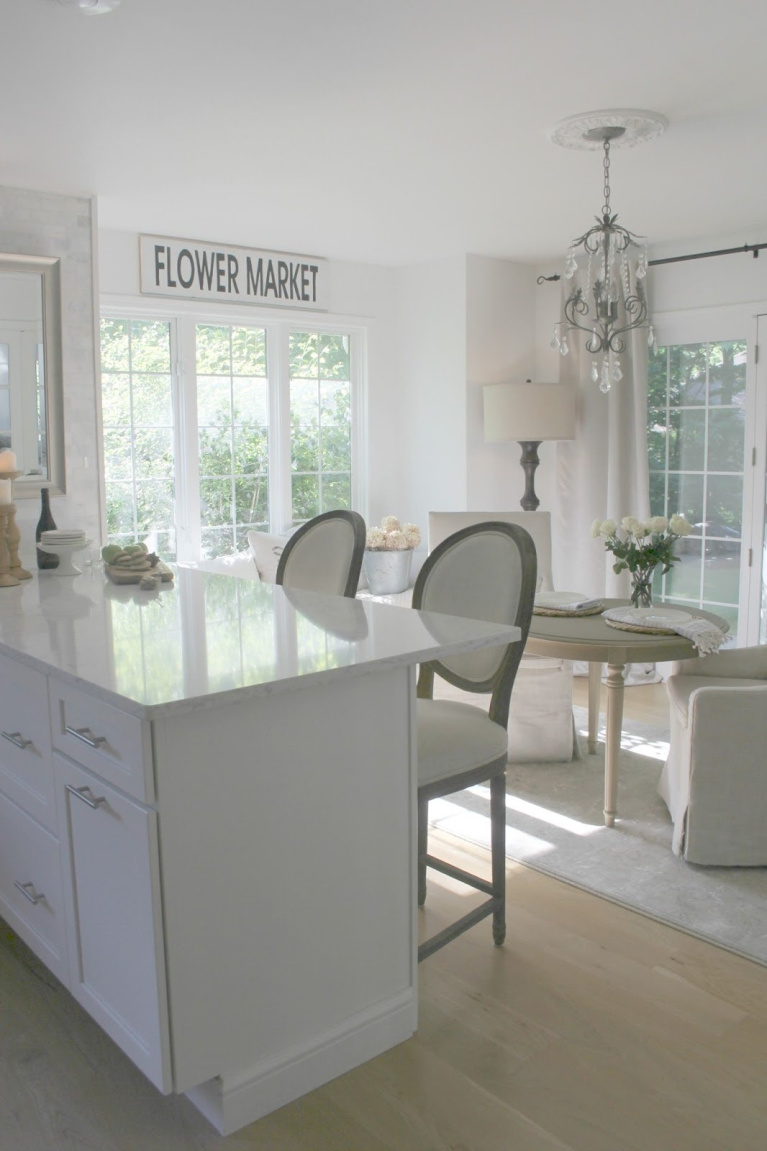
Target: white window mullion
x=278 y=368
x=183 y=353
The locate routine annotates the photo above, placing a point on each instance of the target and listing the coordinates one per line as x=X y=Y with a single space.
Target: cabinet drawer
x=26 y=767
x=115 y=745
x=31 y=898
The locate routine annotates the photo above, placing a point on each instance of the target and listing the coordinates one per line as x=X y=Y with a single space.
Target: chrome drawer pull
x=32 y=895
x=91 y=799
x=16 y=738
x=80 y=733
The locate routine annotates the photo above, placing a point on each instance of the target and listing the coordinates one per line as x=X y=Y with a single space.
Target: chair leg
x=498 y=854
x=423 y=832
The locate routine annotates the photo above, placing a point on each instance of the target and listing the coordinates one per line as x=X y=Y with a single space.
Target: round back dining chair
x=488 y=572
x=325 y=554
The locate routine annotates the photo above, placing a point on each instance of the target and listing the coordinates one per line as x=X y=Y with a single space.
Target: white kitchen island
x=207 y=821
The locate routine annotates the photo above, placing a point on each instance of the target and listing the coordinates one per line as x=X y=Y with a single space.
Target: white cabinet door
x=111 y=880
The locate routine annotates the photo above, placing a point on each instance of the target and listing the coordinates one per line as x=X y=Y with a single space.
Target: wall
x=500 y=318
x=46 y=224
x=430 y=443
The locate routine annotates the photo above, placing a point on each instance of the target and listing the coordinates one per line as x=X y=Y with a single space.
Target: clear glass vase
x=641 y=586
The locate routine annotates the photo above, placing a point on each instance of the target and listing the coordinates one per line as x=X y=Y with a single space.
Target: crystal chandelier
x=607 y=264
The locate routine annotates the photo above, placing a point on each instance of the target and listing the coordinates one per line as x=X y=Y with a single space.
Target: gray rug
x=554 y=824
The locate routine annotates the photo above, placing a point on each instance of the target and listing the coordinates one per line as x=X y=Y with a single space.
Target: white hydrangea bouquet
x=393 y=536
x=639 y=546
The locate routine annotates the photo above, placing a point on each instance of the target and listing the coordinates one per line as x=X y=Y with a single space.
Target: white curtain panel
x=602 y=473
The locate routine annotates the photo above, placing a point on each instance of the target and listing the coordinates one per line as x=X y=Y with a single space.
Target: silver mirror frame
x=49 y=269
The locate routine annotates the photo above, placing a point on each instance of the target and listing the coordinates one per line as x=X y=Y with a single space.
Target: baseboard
x=230 y=1102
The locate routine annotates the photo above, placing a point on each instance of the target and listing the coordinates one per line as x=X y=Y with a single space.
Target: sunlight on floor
x=453 y=818
x=651 y=748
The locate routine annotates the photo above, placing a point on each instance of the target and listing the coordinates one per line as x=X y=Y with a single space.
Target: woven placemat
x=596 y=610
x=639 y=627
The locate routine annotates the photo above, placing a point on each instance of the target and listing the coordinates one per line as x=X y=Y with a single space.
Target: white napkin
x=706 y=636
x=560 y=601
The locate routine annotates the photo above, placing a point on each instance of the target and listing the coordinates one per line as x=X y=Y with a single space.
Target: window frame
x=183 y=316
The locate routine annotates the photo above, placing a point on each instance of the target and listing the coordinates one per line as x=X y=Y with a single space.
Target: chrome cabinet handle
x=91 y=799
x=28 y=891
x=80 y=733
x=16 y=738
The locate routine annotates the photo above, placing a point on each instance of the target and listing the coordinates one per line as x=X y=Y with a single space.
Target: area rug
x=554 y=824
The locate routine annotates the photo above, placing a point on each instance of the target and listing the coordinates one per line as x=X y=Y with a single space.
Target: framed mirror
x=31 y=386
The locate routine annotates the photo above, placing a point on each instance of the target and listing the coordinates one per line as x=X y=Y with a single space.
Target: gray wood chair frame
x=357 y=523
x=500 y=686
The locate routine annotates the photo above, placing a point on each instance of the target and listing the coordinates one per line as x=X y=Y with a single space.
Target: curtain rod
x=755 y=249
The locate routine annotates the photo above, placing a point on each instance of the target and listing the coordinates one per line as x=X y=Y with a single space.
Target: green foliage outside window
x=320 y=423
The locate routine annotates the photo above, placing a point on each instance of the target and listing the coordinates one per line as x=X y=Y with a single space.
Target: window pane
x=116 y=398
x=118 y=454
x=687 y=440
x=217 y=542
x=215 y=502
x=250 y=400
x=251 y=507
x=683 y=581
x=149 y=346
x=721 y=576
x=687 y=374
x=152 y=400
x=306 y=498
x=153 y=453
x=726 y=437
x=249 y=352
x=724 y=504
x=115 y=336
x=334 y=357
x=214 y=400
x=120 y=510
x=304 y=359
x=213 y=350
x=215 y=451
x=727 y=373
x=251 y=453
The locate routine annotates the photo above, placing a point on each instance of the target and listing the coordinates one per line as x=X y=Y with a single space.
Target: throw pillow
x=266 y=552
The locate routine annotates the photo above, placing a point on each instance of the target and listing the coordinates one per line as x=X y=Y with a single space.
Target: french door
x=707 y=443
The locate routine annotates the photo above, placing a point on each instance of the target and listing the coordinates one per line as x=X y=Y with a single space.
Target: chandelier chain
x=606 y=189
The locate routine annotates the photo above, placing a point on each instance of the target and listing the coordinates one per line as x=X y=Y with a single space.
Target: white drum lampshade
x=529 y=413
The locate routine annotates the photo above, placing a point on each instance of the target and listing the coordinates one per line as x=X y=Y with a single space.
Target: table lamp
x=529 y=413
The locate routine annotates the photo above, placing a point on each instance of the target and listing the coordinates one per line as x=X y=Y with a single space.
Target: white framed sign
x=201 y=271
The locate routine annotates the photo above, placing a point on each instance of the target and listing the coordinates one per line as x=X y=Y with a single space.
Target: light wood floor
x=592 y=1029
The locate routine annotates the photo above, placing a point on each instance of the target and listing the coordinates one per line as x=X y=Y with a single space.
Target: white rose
x=679 y=526
x=608 y=528
x=657 y=524
x=390 y=524
x=375 y=538
x=596 y=528
x=631 y=524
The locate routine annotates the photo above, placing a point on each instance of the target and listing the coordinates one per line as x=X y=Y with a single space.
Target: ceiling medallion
x=607 y=263
x=91 y=7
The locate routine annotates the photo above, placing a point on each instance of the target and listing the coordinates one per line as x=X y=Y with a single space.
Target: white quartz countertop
x=207 y=638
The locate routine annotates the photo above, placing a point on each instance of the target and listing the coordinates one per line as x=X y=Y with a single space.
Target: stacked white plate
x=63 y=536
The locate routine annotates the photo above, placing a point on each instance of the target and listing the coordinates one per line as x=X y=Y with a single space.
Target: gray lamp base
x=529 y=461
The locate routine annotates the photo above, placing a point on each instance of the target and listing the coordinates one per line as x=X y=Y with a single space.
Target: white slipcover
x=714 y=782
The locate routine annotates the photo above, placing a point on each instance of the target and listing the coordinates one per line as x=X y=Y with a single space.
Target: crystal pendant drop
x=616 y=373
x=641 y=268
x=555 y=339
x=563 y=348
x=571 y=265
x=604 y=383
x=594 y=372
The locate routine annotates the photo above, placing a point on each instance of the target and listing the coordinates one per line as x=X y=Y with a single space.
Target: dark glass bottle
x=46 y=523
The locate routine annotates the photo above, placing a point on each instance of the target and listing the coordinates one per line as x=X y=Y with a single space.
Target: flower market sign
x=199 y=271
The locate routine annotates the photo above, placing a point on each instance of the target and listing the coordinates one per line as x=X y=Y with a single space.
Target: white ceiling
x=391 y=132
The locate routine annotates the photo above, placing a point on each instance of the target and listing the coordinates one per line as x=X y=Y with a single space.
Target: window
x=259 y=435
x=696 y=442
x=138 y=423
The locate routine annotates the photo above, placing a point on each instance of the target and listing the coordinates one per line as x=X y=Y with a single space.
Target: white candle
x=8 y=461
x=5 y=491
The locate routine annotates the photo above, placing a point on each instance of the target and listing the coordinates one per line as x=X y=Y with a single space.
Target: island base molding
x=230 y=1102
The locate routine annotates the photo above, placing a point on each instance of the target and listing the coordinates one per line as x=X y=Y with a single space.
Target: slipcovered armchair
x=541 y=725
x=714 y=781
